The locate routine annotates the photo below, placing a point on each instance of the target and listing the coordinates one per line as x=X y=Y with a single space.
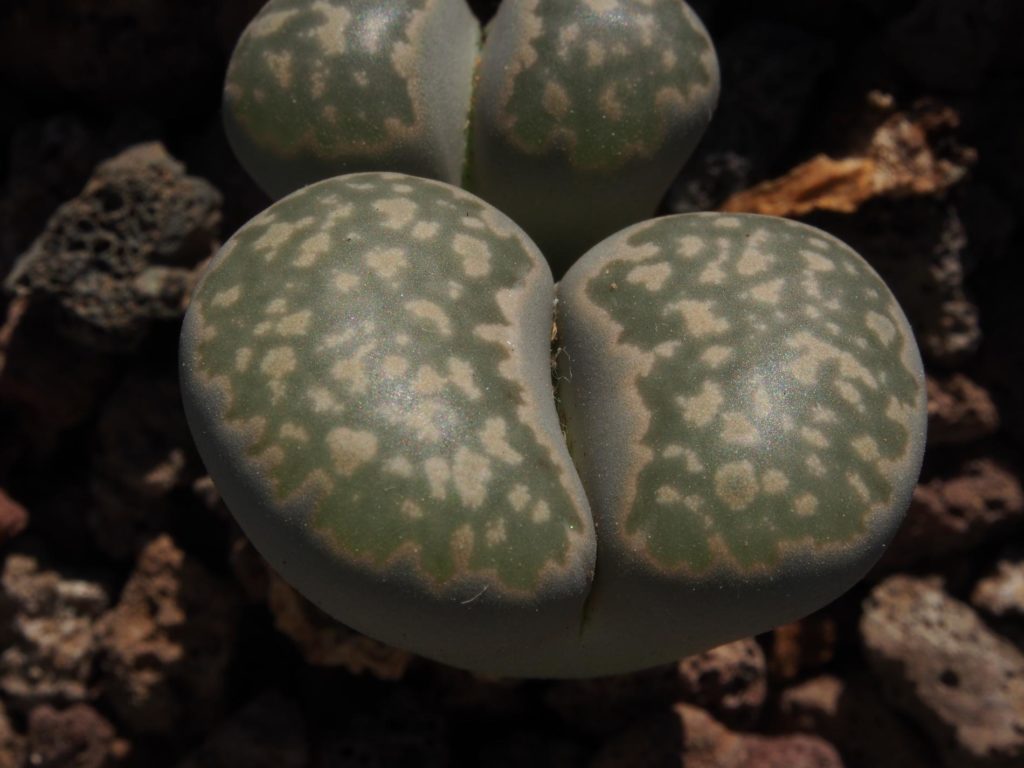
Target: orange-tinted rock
x=1001 y=593
x=898 y=161
x=936 y=661
x=802 y=646
x=728 y=681
x=77 y=737
x=853 y=717
x=167 y=642
x=324 y=642
x=950 y=515
x=48 y=639
x=688 y=737
x=13 y=518
x=959 y=410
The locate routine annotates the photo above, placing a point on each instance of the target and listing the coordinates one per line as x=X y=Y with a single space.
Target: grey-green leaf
x=317 y=88
x=365 y=369
x=745 y=405
x=584 y=113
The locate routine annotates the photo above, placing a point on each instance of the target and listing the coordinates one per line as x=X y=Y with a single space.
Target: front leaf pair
x=367 y=372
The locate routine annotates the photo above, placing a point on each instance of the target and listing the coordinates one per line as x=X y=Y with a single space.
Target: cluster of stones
x=571 y=117
x=367 y=370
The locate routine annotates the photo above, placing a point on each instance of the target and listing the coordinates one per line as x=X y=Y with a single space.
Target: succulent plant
x=581 y=114
x=584 y=112
x=319 y=88
x=367 y=370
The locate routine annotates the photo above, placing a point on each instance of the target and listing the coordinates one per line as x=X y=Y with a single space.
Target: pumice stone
x=735 y=428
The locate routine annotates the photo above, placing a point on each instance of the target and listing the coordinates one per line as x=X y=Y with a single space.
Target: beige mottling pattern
x=397 y=212
x=400 y=466
x=495 y=441
x=345 y=281
x=773 y=481
x=438 y=474
x=541 y=513
x=331 y=33
x=715 y=355
x=387 y=262
x=278 y=362
x=806 y=504
x=471 y=475
x=699 y=318
x=280 y=65
x=295 y=324
x=228 y=297
x=736 y=484
x=700 y=409
x=475 y=253
x=555 y=100
x=296 y=432
x=394 y=365
x=431 y=312
x=651 y=276
x=243 y=357
x=350 y=449
x=519 y=497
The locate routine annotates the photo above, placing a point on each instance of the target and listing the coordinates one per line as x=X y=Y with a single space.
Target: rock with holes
x=937 y=661
x=573 y=116
x=584 y=113
x=317 y=88
x=120 y=257
x=366 y=369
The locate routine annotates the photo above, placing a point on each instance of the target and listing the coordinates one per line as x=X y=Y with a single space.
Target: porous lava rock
x=854 y=717
x=13 y=517
x=954 y=514
x=167 y=643
x=48 y=633
x=938 y=662
x=121 y=254
x=1001 y=593
x=76 y=737
x=688 y=736
x=728 y=681
x=324 y=642
x=959 y=410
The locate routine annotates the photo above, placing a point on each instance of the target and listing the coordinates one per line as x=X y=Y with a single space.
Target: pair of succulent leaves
x=367 y=368
x=572 y=117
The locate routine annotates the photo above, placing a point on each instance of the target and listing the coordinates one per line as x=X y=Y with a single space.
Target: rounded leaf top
x=585 y=111
x=745 y=405
x=365 y=369
x=317 y=88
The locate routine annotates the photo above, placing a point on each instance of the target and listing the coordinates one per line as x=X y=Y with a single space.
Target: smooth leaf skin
x=366 y=372
x=745 y=404
x=318 y=88
x=584 y=113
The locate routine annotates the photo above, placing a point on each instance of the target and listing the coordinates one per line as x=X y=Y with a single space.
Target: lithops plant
x=367 y=370
x=585 y=112
x=573 y=118
x=319 y=88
